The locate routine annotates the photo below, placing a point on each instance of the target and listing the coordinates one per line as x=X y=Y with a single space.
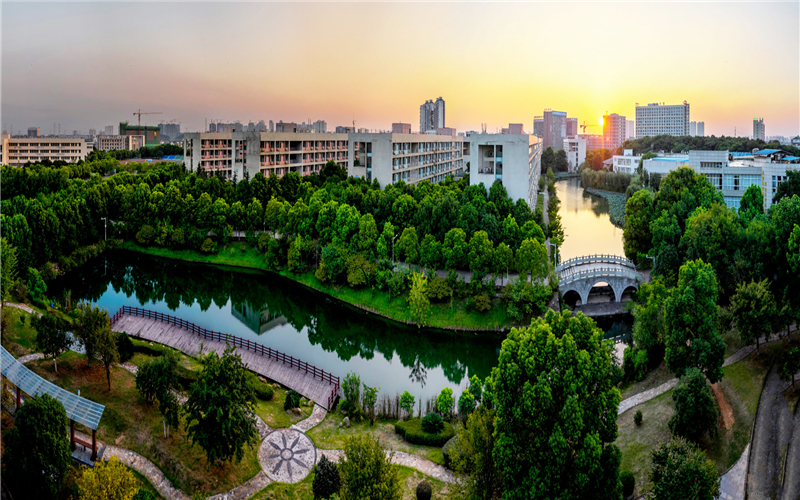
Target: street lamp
x=556 y=255
x=105 y=228
x=654 y=261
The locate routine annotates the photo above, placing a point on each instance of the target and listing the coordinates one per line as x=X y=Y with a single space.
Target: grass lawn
x=275 y=416
x=636 y=442
x=653 y=379
x=130 y=423
x=447 y=315
x=330 y=435
x=20 y=339
x=409 y=479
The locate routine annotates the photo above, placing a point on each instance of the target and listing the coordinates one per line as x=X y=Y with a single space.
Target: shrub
x=637 y=417
x=351 y=388
x=292 y=400
x=208 y=246
x=367 y=470
x=439 y=289
x=263 y=391
x=448 y=448
x=411 y=431
x=695 y=407
x=326 y=479
x=480 y=303
x=466 y=403
x=445 y=401
x=145 y=235
x=424 y=491
x=124 y=347
x=634 y=364
x=398 y=283
x=143 y=494
x=178 y=238
x=628 y=483
x=432 y=423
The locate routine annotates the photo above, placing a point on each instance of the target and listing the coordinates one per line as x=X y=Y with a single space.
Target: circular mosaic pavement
x=287 y=455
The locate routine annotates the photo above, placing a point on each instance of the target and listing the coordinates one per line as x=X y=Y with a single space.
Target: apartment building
x=575 y=148
x=626 y=163
x=271 y=153
x=572 y=127
x=33 y=132
x=630 y=127
x=693 y=129
x=401 y=128
x=593 y=141
x=390 y=157
x=733 y=173
x=431 y=115
x=118 y=142
x=659 y=119
x=759 y=131
x=701 y=129
x=614 y=129
x=555 y=129
x=512 y=159
x=538 y=126
x=18 y=151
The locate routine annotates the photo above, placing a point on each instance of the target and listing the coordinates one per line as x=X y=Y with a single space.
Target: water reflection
x=285 y=316
x=586 y=222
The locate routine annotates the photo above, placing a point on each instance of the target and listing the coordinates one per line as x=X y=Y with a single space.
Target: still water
x=285 y=316
x=587 y=226
x=310 y=326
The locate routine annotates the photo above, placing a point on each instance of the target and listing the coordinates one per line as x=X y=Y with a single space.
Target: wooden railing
x=235 y=341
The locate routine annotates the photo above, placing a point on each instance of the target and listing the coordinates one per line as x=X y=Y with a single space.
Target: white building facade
x=512 y=159
x=575 y=148
x=626 y=163
x=17 y=151
x=659 y=119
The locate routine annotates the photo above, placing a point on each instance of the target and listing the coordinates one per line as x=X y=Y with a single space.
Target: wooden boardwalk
x=187 y=342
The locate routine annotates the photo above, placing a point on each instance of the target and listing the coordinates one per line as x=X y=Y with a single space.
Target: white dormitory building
x=733 y=173
x=626 y=163
x=659 y=119
x=118 y=142
x=17 y=151
x=512 y=159
x=575 y=147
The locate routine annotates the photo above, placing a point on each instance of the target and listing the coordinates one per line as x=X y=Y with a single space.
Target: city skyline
x=368 y=62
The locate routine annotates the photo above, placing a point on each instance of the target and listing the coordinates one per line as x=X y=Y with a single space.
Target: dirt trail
x=771 y=433
x=725 y=409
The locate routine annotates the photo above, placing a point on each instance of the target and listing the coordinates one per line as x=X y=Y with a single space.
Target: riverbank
x=452 y=316
x=616 y=205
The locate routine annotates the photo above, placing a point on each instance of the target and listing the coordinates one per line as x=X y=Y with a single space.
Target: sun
x=601 y=121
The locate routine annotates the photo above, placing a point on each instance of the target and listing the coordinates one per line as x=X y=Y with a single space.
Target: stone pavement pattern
x=287 y=455
x=731 y=484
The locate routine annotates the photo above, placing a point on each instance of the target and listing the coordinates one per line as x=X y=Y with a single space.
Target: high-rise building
x=555 y=129
x=593 y=141
x=630 y=129
x=659 y=119
x=282 y=126
x=759 y=131
x=271 y=126
x=33 y=131
x=513 y=129
x=701 y=129
x=171 y=131
x=92 y=132
x=152 y=135
x=572 y=127
x=401 y=128
x=614 y=128
x=693 y=129
x=538 y=126
x=431 y=115
x=109 y=130
x=345 y=130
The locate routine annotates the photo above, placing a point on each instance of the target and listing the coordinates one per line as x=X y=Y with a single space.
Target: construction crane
x=140 y=113
x=584 y=126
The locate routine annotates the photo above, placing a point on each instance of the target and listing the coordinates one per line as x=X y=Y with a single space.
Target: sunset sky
x=93 y=64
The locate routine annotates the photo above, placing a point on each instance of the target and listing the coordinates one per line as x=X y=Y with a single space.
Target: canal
x=281 y=314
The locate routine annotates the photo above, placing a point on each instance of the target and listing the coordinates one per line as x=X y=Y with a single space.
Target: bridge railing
x=601 y=272
x=236 y=341
x=595 y=259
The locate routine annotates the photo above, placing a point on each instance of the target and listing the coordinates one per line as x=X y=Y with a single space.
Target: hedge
x=447 y=449
x=411 y=431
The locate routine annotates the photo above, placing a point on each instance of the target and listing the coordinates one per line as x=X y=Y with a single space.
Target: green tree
x=511 y=234
x=556 y=406
x=681 y=471
x=754 y=311
x=502 y=259
x=89 y=323
x=370 y=399
x=532 y=258
x=636 y=237
x=455 y=249
x=532 y=230
x=790 y=364
x=51 y=337
x=110 y=480
x=548 y=159
x=403 y=210
x=219 y=410
x=693 y=337
x=476 y=388
x=561 y=161
x=367 y=235
x=430 y=252
x=471 y=458
x=788 y=188
x=445 y=402
x=8 y=272
x=37 y=454
x=157 y=380
x=752 y=203
x=418 y=302
x=407 y=403
x=466 y=403
x=327 y=480
x=695 y=407
x=481 y=252
x=649 y=326
x=36 y=285
x=367 y=472
x=713 y=235
x=408 y=245
x=793 y=254
x=105 y=348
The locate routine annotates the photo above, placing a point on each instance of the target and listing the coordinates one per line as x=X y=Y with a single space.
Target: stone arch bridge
x=580 y=274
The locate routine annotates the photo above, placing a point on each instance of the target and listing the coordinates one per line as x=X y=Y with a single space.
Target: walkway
x=24 y=307
x=187 y=342
x=731 y=484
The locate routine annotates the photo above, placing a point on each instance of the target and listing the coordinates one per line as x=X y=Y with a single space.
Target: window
x=740 y=182
x=710 y=164
x=733 y=202
x=715 y=180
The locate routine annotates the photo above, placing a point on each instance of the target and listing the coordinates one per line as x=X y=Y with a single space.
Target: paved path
x=731 y=484
x=423 y=465
x=649 y=394
x=24 y=307
x=30 y=357
x=182 y=339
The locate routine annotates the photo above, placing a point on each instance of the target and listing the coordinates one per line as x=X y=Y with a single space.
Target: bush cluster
x=411 y=431
x=292 y=400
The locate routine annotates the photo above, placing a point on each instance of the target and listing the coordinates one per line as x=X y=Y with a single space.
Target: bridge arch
x=581 y=274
